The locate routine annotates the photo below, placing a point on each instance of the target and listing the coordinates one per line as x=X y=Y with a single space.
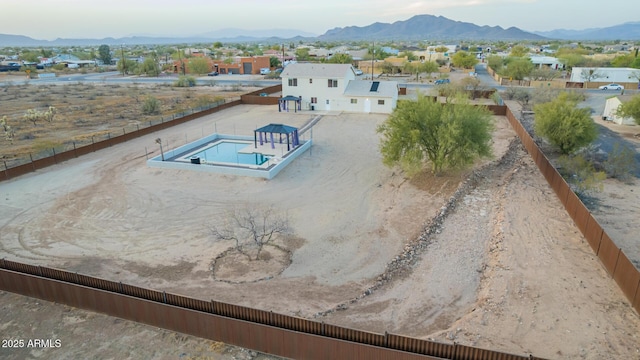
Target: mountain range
x=419 y=27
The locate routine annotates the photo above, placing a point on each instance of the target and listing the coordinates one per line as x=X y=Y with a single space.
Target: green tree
x=127 y=66
x=150 y=67
x=572 y=60
x=518 y=68
x=274 y=62
x=544 y=73
x=464 y=59
x=428 y=67
x=302 y=54
x=519 y=51
x=495 y=62
x=566 y=126
x=622 y=60
x=340 y=59
x=30 y=56
x=446 y=135
x=630 y=108
x=198 y=65
x=104 y=54
x=217 y=45
x=409 y=55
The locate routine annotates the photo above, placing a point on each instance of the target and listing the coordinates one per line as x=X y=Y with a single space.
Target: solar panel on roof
x=374 y=86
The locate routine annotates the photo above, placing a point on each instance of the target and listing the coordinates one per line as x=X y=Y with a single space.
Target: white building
x=334 y=87
x=607 y=75
x=611 y=109
x=547 y=61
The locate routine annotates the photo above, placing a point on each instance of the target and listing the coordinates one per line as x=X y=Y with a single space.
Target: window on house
x=380 y=102
x=327 y=102
x=354 y=101
x=293 y=82
x=333 y=83
x=310 y=81
x=314 y=100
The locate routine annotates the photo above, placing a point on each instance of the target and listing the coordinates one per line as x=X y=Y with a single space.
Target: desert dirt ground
x=506 y=270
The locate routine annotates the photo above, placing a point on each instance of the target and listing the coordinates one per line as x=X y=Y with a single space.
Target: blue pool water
x=227 y=152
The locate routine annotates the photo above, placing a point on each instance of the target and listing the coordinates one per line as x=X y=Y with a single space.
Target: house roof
x=277 y=129
x=386 y=89
x=316 y=70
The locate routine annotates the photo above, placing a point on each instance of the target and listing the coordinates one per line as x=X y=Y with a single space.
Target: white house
x=607 y=75
x=611 y=109
x=333 y=87
x=548 y=61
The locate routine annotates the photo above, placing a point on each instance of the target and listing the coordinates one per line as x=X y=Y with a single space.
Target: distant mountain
x=626 y=31
x=224 y=35
x=421 y=27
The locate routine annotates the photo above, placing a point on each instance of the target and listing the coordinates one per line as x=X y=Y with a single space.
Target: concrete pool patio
x=109 y=215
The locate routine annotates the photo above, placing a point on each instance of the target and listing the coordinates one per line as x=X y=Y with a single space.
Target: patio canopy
x=284 y=101
x=290 y=132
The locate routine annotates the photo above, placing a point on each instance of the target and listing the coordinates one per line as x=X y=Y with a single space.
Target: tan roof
x=311 y=70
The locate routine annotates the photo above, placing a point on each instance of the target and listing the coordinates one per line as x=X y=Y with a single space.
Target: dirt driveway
x=507 y=270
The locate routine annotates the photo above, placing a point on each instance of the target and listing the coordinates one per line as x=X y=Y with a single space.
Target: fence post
x=54 y=155
x=33 y=166
x=164 y=296
x=121 y=289
x=77 y=278
x=124 y=132
x=40 y=270
x=6 y=173
x=75 y=154
x=322 y=329
x=138 y=127
x=386 y=339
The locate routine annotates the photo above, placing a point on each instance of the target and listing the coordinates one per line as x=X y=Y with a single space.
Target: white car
x=358 y=72
x=611 y=87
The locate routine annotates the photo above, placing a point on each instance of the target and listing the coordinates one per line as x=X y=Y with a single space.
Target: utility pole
x=124 y=61
x=373 y=57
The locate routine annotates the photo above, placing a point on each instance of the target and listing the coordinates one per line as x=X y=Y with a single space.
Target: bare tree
x=591 y=74
x=473 y=85
x=252 y=228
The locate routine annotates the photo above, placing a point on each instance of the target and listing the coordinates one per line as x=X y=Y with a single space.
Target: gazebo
x=290 y=132
x=283 y=103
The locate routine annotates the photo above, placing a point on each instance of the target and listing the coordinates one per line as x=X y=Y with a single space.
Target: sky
x=51 y=19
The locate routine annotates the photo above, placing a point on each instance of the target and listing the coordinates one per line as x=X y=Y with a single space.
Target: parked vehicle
x=442 y=81
x=215 y=73
x=611 y=87
x=359 y=72
x=265 y=71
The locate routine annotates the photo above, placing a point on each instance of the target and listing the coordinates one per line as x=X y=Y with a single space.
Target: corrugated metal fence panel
x=98 y=283
x=65 y=155
x=24 y=268
x=594 y=234
x=142 y=293
x=297 y=324
x=343 y=333
x=573 y=202
x=608 y=253
x=420 y=346
x=469 y=353
x=627 y=277
x=581 y=217
x=561 y=189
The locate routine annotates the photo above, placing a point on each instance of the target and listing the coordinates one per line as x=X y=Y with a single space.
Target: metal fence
x=617 y=264
x=55 y=156
x=260 y=330
x=266 y=331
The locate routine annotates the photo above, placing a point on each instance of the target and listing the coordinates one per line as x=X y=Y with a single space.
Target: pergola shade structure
x=283 y=103
x=290 y=132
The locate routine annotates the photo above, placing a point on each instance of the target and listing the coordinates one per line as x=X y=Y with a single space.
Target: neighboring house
x=611 y=108
x=547 y=61
x=333 y=87
x=607 y=75
x=244 y=65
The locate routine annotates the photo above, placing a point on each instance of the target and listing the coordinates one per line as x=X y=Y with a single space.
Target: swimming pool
x=230 y=152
